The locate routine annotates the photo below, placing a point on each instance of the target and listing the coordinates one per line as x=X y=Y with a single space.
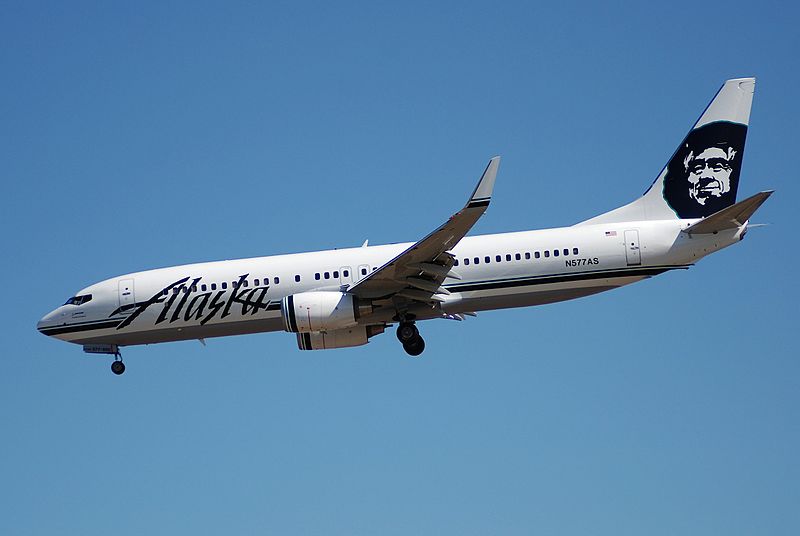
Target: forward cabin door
x=632 y=252
x=127 y=298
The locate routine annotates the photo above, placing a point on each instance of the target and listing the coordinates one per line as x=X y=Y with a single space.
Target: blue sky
x=140 y=135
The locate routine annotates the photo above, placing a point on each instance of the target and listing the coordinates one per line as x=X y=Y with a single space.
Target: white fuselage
x=213 y=299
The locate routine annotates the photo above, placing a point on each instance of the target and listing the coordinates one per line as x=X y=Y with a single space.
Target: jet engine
x=337 y=338
x=321 y=311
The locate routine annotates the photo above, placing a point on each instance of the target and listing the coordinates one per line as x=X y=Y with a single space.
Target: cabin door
x=127 y=299
x=632 y=252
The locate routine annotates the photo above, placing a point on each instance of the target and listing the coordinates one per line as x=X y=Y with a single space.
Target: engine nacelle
x=338 y=338
x=321 y=311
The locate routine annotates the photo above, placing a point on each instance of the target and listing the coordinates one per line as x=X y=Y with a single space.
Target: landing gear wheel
x=117 y=367
x=407 y=332
x=415 y=346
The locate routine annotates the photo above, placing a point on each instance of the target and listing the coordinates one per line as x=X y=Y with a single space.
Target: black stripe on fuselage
x=559 y=278
x=84 y=326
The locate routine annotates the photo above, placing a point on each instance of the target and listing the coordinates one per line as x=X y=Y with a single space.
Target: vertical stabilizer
x=702 y=177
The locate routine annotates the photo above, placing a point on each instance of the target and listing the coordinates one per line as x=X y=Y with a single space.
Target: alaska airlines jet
x=342 y=298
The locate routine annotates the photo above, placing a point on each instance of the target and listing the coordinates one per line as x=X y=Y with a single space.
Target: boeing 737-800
x=341 y=298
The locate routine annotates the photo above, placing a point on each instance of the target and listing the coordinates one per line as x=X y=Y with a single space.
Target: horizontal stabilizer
x=731 y=217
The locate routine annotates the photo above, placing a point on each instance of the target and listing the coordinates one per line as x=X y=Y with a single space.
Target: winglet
x=483 y=191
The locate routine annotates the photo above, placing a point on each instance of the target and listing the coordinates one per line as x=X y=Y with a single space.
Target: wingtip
x=483 y=191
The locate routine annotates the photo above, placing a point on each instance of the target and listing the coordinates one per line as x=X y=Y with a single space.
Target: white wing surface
x=418 y=272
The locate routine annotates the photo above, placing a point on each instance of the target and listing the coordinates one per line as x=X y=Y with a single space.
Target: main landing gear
x=408 y=334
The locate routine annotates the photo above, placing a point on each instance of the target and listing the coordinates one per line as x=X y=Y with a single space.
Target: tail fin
x=702 y=177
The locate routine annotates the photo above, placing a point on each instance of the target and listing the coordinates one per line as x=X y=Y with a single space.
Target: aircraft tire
x=117 y=367
x=407 y=332
x=415 y=346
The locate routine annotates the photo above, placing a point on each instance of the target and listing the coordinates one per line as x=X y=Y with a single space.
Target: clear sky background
x=138 y=135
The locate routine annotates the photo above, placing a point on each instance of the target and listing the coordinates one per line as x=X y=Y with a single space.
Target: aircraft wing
x=418 y=272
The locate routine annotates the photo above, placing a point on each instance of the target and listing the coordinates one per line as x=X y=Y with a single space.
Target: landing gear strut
x=408 y=334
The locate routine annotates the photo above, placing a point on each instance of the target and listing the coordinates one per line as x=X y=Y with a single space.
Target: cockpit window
x=79 y=300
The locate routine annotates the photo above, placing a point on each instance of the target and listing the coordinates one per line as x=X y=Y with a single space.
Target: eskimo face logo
x=709 y=173
x=703 y=176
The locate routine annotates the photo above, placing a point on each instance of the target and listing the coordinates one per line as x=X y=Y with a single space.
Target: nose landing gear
x=408 y=335
x=118 y=367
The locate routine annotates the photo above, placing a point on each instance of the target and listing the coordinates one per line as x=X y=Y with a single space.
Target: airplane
x=344 y=297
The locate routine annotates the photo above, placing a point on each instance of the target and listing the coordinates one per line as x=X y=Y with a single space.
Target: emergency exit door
x=632 y=252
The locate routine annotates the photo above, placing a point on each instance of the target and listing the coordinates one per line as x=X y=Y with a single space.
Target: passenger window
x=213 y=286
x=327 y=275
x=455 y=262
x=245 y=283
x=336 y=274
x=527 y=255
x=466 y=262
x=518 y=256
x=546 y=253
x=498 y=258
x=203 y=288
x=476 y=260
x=508 y=258
x=224 y=284
x=346 y=273
x=256 y=282
x=296 y=278
x=277 y=280
x=487 y=259
x=234 y=284
x=566 y=252
x=574 y=251
x=555 y=253
x=164 y=292
x=537 y=254
x=316 y=276
x=363 y=271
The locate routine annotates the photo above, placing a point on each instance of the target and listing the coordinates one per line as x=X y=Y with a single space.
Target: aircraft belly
x=174 y=333
x=482 y=300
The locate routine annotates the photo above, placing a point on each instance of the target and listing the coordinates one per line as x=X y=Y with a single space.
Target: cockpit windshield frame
x=79 y=300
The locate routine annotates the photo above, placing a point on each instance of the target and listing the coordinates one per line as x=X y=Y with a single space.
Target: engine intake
x=321 y=311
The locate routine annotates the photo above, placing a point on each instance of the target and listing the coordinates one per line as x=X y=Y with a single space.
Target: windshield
x=79 y=300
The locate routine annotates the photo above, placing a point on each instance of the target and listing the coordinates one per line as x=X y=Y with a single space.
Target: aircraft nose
x=47 y=321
